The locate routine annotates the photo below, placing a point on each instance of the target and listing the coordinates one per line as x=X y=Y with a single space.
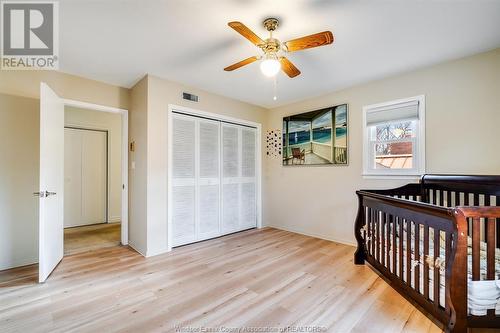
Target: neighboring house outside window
x=394 y=138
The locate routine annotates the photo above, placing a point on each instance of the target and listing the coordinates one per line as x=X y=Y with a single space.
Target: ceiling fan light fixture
x=270 y=66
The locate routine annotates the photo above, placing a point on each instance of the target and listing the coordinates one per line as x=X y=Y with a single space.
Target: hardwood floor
x=266 y=277
x=91 y=237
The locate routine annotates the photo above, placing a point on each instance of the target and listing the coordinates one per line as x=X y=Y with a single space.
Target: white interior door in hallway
x=213 y=178
x=85 y=177
x=51 y=191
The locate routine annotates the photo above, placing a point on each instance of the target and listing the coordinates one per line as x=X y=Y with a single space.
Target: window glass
x=393 y=138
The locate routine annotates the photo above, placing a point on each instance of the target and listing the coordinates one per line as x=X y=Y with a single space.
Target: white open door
x=51 y=216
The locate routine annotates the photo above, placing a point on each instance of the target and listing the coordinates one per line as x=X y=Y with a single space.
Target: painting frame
x=316 y=138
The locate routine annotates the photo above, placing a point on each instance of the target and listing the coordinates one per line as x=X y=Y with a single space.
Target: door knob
x=44 y=194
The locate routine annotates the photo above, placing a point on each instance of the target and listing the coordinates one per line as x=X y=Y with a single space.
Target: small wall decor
x=317 y=137
x=273 y=143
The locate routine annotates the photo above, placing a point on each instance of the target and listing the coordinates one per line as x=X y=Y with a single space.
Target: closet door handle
x=44 y=194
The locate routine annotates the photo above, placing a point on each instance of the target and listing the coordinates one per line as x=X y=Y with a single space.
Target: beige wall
x=19 y=177
x=463 y=119
x=27 y=83
x=161 y=93
x=112 y=122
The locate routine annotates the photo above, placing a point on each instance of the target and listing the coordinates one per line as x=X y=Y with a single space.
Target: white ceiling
x=189 y=41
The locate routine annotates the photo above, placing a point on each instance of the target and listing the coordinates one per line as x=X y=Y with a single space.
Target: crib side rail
x=408 y=191
x=489 y=212
x=416 y=246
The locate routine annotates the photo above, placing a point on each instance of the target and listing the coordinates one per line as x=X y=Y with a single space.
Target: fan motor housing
x=271 y=45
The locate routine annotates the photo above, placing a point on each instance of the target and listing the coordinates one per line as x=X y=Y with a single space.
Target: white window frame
x=418 y=142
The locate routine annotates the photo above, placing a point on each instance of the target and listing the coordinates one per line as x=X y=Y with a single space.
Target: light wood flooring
x=91 y=237
x=264 y=278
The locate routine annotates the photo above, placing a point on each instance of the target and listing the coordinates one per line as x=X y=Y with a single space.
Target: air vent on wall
x=190 y=97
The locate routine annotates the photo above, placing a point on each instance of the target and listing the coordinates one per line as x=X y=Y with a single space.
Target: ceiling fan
x=273 y=60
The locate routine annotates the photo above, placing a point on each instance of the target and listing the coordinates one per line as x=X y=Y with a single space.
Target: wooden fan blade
x=307 y=42
x=289 y=68
x=245 y=32
x=241 y=64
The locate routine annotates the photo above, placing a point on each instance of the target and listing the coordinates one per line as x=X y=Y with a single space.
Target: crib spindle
x=469 y=221
x=388 y=240
x=486 y=203
x=436 y=281
x=372 y=231
x=476 y=229
x=417 y=257
x=400 y=254
x=490 y=254
x=497 y=203
x=382 y=238
x=394 y=247
x=447 y=253
x=368 y=240
x=408 y=252
x=377 y=232
x=426 y=265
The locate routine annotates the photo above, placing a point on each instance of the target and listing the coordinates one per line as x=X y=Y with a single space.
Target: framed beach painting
x=316 y=137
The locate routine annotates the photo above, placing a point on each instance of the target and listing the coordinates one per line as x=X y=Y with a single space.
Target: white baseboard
x=18 y=263
x=310 y=234
x=136 y=248
x=157 y=252
x=114 y=219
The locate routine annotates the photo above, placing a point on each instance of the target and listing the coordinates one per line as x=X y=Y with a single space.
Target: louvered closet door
x=208 y=179
x=248 y=202
x=213 y=179
x=183 y=201
x=231 y=171
x=239 y=178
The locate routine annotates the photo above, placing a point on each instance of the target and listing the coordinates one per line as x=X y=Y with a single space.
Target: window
x=394 y=138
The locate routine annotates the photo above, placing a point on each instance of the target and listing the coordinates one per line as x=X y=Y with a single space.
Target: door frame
x=124 y=115
x=218 y=117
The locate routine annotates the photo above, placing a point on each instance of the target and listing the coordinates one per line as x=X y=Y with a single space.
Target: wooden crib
x=417 y=237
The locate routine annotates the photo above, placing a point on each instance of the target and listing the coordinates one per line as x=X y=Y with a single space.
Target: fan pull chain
x=275 y=88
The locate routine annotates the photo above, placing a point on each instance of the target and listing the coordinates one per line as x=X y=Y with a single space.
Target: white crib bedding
x=482 y=295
